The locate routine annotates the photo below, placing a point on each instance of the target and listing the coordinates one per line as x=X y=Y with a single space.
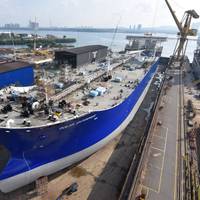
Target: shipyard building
x=16 y=73
x=81 y=55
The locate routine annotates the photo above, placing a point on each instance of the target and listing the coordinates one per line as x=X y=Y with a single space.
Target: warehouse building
x=81 y=55
x=18 y=73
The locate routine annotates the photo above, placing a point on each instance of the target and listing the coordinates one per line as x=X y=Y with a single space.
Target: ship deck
x=78 y=95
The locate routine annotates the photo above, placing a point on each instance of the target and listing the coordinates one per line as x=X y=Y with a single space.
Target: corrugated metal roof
x=10 y=66
x=84 y=49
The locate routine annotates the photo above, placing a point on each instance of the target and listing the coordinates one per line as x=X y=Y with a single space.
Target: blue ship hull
x=40 y=151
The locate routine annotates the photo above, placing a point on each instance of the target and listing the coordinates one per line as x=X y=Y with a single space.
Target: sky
x=94 y=13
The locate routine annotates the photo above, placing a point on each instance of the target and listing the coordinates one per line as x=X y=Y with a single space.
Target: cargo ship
x=40 y=135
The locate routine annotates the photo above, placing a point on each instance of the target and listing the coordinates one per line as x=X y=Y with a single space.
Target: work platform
x=142 y=38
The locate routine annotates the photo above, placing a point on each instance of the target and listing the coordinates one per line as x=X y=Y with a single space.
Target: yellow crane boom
x=174 y=16
x=184 y=30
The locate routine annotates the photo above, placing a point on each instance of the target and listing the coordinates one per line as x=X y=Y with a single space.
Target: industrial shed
x=19 y=73
x=81 y=55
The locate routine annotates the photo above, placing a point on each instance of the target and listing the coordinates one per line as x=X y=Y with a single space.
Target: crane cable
x=155 y=16
x=179 y=6
x=115 y=33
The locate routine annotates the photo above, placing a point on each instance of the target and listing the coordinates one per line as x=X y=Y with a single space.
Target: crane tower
x=185 y=30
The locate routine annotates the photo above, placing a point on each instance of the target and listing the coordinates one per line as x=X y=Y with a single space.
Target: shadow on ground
x=109 y=184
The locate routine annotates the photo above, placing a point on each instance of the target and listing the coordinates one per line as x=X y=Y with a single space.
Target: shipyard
x=101 y=113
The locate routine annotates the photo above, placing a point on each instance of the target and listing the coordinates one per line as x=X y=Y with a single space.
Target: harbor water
x=115 y=42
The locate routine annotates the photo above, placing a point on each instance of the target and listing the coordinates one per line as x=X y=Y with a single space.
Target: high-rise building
x=33 y=25
x=12 y=26
x=139 y=27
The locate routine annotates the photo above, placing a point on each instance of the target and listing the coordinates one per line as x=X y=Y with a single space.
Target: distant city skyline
x=93 y=13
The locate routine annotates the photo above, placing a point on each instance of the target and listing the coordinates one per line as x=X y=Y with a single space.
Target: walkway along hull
x=41 y=151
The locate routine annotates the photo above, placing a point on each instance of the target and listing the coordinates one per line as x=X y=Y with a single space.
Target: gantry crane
x=184 y=31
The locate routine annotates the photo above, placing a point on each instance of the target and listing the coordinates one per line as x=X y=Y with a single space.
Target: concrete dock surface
x=161 y=170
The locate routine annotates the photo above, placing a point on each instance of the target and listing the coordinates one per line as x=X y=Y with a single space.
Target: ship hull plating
x=41 y=151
